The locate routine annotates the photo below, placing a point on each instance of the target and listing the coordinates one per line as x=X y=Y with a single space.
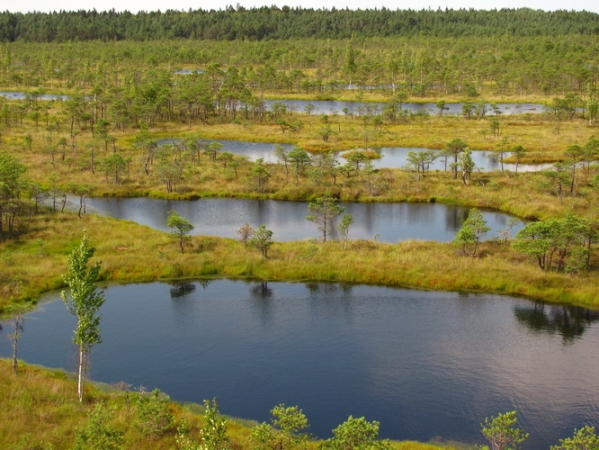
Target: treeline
x=269 y=23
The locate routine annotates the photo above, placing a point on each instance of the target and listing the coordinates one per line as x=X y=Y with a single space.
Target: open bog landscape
x=226 y=230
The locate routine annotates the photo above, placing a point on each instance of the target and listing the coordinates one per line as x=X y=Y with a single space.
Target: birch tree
x=84 y=303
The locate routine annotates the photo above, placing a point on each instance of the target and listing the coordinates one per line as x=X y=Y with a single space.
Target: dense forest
x=273 y=23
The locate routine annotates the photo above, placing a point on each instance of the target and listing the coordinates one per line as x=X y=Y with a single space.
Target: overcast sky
x=163 y=5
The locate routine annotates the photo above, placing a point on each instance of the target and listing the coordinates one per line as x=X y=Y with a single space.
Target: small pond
x=388 y=222
x=329 y=107
x=391 y=157
x=427 y=365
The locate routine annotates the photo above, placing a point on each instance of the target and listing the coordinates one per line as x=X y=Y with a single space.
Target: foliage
x=11 y=184
x=84 y=303
x=97 y=433
x=346 y=221
x=454 y=148
x=558 y=244
x=324 y=210
x=583 y=439
x=356 y=434
x=470 y=233
x=260 y=174
x=213 y=434
x=43 y=393
x=245 y=233
x=421 y=161
x=518 y=152
x=16 y=312
x=153 y=415
x=262 y=240
x=502 y=433
x=271 y=23
x=180 y=226
x=285 y=430
x=557 y=179
x=466 y=165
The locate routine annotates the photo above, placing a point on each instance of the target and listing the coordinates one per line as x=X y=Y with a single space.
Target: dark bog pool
x=426 y=365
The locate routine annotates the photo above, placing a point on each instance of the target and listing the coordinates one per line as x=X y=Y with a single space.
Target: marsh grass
x=40 y=410
x=521 y=194
x=134 y=253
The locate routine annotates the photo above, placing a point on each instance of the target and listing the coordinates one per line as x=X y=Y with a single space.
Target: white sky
x=163 y=5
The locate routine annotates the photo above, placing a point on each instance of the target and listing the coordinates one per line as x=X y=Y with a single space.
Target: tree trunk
x=81 y=376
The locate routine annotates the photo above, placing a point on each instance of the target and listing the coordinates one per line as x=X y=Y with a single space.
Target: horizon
x=136 y=6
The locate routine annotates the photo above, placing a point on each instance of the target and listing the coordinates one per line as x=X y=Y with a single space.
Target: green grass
x=39 y=409
x=133 y=253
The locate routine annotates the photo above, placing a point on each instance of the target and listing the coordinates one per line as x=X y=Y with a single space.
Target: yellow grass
x=133 y=253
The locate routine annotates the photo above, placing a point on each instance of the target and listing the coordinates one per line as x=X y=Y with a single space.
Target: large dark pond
x=389 y=222
x=391 y=157
x=427 y=365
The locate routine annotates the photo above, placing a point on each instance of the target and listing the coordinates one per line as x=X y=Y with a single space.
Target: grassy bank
x=39 y=410
x=132 y=253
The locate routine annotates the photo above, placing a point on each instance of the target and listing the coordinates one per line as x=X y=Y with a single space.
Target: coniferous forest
x=271 y=23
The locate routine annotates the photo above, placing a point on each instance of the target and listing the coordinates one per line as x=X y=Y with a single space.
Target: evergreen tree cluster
x=269 y=23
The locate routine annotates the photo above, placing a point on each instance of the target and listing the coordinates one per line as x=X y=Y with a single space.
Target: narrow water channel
x=386 y=222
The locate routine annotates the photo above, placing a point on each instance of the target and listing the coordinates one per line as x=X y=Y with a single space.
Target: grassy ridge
x=133 y=253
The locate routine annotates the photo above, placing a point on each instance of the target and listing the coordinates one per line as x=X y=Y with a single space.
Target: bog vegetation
x=143 y=112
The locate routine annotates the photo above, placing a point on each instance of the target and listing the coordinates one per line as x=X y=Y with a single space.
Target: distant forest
x=269 y=23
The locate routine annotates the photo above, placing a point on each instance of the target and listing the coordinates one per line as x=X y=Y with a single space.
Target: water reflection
x=389 y=222
x=181 y=289
x=338 y=107
x=261 y=290
x=390 y=157
x=357 y=108
x=570 y=322
x=424 y=364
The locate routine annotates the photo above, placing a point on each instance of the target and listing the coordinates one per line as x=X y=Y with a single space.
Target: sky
x=163 y=5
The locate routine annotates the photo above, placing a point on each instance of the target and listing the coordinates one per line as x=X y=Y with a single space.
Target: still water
x=389 y=222
x=355 y=108
x=390 y=157
x=427 y=365
x=329 y=107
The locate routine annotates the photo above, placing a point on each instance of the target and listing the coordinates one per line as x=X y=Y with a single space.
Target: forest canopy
x=267 y=23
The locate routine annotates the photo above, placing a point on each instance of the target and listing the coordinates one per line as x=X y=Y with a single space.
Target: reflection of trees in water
x=455 y=217
x=569 y=321
x=261 y=290
x=261 y=294
x=328 y=288
x=182 y=289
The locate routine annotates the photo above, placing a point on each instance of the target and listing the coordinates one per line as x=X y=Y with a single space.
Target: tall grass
x=39 y=409
x=133 y=253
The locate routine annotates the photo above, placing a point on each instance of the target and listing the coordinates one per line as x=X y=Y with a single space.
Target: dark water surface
x=389 y=222
x=425 y=364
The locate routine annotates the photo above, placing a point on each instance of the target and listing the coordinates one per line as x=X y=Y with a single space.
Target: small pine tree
x=471 y=232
